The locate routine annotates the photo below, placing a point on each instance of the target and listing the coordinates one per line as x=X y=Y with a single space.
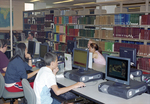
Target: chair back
x=28 y=92
x=2 y=84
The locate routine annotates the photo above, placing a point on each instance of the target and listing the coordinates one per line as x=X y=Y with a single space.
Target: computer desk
x=91 y=91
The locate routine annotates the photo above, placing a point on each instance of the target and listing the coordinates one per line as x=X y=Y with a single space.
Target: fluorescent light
x=62 y=1
x=34 y=0
x=84 y=3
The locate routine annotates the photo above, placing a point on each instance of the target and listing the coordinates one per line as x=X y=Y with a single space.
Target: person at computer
x=97 y=54
x=16 y=69
x=45 y=81
x=31 y=37
x=3 y=59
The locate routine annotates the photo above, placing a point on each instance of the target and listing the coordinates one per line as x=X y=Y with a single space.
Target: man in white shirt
x=31 y=37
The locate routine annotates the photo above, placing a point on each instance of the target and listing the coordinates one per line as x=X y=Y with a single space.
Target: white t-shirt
x=42 y=85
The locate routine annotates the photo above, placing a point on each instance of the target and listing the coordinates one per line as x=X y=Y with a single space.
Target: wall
x=18 y=8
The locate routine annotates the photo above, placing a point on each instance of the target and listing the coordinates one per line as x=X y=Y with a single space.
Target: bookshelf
x=110 y=30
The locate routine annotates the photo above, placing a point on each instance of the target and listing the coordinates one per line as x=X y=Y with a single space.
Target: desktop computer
x=83 y=73
x=118 y=76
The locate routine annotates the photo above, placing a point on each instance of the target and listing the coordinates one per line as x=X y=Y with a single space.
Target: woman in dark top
x=3 y=58
x=16 y=69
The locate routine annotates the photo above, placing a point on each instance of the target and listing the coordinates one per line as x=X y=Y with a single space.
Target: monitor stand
x=83 y=76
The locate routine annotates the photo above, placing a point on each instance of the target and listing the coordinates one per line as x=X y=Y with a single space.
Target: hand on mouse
x=79 y=84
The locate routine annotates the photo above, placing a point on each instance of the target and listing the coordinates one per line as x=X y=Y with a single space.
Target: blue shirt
x=16 y=70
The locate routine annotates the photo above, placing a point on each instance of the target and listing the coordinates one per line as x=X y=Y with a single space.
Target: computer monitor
x=129 y=53
x=71 y=44
x=31 y=48
x=80 y=59
x=44 y=48
x=118 y=70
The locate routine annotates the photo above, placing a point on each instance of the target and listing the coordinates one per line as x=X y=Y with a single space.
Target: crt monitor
x=31 y=48
x=129 y=53
x=118 y=70
x=44 y=48
x=71 y=44
x=80 y=59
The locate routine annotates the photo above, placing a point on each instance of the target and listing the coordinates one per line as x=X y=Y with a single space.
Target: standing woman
x=17 y=68
x=97 y=54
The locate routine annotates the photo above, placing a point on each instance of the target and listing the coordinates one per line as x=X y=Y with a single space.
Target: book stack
x=97 y=34
x=41 y=34
x=145 y=34
x=70 y=38
x=144 y=64
x=126 y=32
x=106 y=33
x=102 y=45
x=118 y=45
x=25 y=20
x=55 y=20
x=83 y=43
x=144 y=50
x=40 y=20
x=49 y=17
x=34 y=27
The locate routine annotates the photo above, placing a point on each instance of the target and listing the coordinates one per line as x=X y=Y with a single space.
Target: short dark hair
x=31 y=34
x=3 y=43
x=49 y=57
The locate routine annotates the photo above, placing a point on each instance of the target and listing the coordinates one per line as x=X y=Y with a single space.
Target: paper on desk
x=90 y=60
x=68 y=61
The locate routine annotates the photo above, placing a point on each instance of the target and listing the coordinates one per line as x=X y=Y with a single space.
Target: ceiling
x=50 y=2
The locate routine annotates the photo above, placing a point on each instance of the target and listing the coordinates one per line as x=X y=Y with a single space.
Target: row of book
x=49 y=17
x=127 y=19
x=59 y=38
x=82 y=43
x=144 y=64
x=37 y=27
x=106 y=46
x=145 y=19
x=66 y=19
x=126 y=32
x=117 y=19
x=142 y=50
x=104 y=20
x=86 y=20
x=87 y=33
x=59 y=47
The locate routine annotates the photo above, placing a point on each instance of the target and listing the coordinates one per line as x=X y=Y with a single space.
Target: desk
x=91 y=91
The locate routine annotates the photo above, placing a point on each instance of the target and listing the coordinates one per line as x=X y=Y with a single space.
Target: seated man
x=31 y=37
x=3 y=59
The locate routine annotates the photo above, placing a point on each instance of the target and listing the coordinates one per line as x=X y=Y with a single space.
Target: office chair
x=8 y=95
x=28 y=92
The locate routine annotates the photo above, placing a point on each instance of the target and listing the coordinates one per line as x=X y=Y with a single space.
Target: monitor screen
x=118 y=69
x=31 y=48
x=71 y=44
x=80 y=58
x=44 y=48
x=129 y=53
